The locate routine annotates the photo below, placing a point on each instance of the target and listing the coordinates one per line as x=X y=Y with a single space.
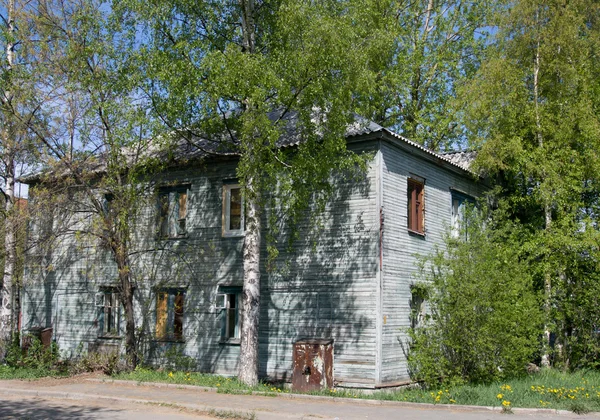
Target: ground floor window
x=228 y=306
x=169 y=314
x=108 y=302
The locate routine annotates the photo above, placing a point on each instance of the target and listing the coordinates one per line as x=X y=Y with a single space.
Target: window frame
x=415 y=217
x=226 y=213
x=178 y=228
x=461 y=199
x=114 y=310
x=171 y=315
x=226 y=314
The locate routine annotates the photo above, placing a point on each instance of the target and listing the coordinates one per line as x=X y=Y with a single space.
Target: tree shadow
x=40 y=409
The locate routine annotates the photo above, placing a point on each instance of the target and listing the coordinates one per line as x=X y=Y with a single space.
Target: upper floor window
x=233 y=210
x=169 y=314
x=172 y=211
x=416 y=205
x=460 y=203
x=109 y=312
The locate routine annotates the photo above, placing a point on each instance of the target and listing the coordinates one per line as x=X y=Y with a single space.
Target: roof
x=198 y=148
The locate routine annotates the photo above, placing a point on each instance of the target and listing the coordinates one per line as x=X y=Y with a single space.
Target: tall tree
x=241 y=74
x=98 y=143
x=437 y=47
x=19 y=109
x=533 y=112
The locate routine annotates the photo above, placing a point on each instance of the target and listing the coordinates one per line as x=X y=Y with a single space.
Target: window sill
x=230 y=341
x=416 y=233
x=169 y=340
x=233 y=234
x=172 y=238
x=110 y=337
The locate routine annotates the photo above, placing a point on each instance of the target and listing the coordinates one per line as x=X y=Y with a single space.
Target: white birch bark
x=248 y=371
x=7 y=318
x=547 y=211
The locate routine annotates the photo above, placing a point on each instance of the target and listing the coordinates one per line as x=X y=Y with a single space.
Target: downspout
x=379 y=276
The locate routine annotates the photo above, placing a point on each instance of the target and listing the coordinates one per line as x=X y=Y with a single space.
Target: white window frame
x=458 y=202
x=227 y=212
x=224 y=311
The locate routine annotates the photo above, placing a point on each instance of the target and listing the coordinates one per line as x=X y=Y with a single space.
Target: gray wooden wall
x=330 y=285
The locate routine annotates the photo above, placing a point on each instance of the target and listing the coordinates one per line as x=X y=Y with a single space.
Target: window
x=109 y=312
x=416 y=205
x=228 y=307
x=169 y=314
x=233 y=210
x=460 y=203
x=172 y=206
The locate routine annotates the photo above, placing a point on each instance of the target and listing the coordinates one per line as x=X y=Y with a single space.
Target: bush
x=484 y=317
x=35 y=356
x=109 y=363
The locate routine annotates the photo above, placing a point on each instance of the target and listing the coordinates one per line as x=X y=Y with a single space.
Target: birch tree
x=97 y=147
x=533 y=113
x=19 y=109
x=437 y=47
x=238 y=74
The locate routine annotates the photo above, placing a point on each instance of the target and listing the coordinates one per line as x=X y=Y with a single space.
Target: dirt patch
x=69 y=380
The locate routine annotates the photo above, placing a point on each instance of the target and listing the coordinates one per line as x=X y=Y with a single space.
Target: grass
x=9 y=372
x=578 y=392
x=229 y=385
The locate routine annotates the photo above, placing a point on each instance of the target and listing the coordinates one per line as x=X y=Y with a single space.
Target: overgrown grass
x=578 y=392
x=229 y=385
x=10 y=372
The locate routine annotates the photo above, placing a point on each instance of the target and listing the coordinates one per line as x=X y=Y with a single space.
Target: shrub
x=35 y=356
x=109 y=363
x=484 y=315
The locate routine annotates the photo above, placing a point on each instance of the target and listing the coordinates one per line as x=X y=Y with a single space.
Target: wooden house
x=348 y=282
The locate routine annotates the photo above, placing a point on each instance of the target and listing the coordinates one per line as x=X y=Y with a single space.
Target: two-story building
x=348 y=281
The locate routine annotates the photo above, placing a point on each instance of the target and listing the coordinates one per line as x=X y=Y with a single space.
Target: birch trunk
x=7 y=316
x=547 y=210
x=127 y=301
x=248 y=373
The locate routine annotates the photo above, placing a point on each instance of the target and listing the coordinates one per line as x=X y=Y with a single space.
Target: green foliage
x=484 y=315
x=532 y=111
x=428 y=50
x=35 y=357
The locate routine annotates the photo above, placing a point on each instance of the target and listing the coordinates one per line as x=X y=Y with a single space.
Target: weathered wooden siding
x=324 y=288
x=402 y=248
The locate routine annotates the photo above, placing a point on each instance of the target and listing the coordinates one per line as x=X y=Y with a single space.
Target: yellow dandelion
x=499 y=396
x=506 y=403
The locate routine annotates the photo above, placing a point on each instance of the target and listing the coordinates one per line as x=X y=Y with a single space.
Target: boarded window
x=109 y=312
x=228 y=306
x=233 y=210
x=172 y=211
x=169 y=314
x=416 y=206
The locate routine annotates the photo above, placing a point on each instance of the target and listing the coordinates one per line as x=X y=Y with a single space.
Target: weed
x=231 y=414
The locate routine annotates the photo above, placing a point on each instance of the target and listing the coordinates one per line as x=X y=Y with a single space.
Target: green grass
x=9 y=372
x=229 y=385
x=578 y=392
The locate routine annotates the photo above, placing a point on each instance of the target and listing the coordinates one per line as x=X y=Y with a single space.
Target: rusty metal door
x=313 y=365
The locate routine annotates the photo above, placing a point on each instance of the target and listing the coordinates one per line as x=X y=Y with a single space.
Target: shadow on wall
x=325 y=288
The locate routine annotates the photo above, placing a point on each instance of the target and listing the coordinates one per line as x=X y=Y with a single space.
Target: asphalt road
x=34 y=408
